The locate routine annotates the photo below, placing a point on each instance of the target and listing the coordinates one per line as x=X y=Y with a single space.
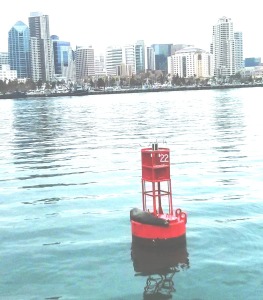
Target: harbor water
x=70 y=172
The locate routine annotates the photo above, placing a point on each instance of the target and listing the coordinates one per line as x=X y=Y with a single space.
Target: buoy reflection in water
x=159 y=265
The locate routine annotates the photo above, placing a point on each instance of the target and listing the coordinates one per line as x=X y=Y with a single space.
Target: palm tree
x=101 y=83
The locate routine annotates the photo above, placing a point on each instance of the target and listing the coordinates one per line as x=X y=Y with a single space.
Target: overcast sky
x=102 y=23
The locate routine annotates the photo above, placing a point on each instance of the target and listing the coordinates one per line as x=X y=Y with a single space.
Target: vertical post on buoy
x=155 y=211
x=154 y=146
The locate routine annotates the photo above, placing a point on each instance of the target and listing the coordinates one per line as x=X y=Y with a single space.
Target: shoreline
x=20 y=95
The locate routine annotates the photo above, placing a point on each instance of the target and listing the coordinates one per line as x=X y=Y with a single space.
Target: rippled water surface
x=70 y=173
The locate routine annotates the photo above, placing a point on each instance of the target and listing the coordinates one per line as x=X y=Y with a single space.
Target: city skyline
x=105 y=23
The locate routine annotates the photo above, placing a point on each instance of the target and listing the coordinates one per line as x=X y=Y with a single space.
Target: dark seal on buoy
x=145 y=217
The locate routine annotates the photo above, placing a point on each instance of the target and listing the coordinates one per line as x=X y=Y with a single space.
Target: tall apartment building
x=41 y=51
x=191 y=62
x=223 y=48
x=18 y=49
x=239 y=60
x=129 y=60
x=113 y=60
x=85 y=66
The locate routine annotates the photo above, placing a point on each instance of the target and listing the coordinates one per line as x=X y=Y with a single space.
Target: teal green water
x=70 y=173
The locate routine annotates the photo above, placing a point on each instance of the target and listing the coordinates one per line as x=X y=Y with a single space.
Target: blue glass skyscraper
x=18 y=49
x=62 y=54
x=140 y=57
x=162 y=52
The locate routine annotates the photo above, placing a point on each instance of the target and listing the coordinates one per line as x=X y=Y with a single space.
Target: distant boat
x=13 y=95
x=41 y=94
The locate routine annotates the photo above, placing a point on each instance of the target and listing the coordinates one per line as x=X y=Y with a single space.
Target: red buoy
x=157 y=223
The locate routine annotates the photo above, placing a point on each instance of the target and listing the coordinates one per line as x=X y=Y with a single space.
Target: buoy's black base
x=155 y=243
x=158 y=260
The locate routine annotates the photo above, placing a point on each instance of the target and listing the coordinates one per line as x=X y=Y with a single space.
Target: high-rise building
x=162 y=52
x=41 y=51
x=140 y=57
x=18 y=49
x=85 y=65
x=150 y=59
x=62 y=52
x=239 y=61
x=128 y=59
x=113 y=60
x=191 y=62
x=223 y=48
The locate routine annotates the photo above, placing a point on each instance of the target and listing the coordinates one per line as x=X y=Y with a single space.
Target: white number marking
x=164 y=158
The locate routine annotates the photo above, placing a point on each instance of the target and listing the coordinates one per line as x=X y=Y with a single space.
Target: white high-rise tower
x=113 y=60
x=223 y=48
x=85 y=63
x=129 y=59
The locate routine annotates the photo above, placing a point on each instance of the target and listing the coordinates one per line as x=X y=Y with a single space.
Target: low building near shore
x=7 y=74
x=254 y=72
x=191 y=62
